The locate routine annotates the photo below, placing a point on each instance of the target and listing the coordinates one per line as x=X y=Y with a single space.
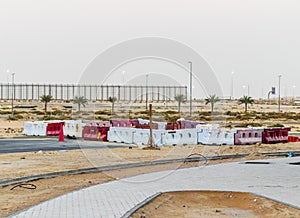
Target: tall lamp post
x=279 y=77
x=248 y=90
x=294 y=86
x=244 y=88
x=123 y=74
x=231 y=91
x=191 y=87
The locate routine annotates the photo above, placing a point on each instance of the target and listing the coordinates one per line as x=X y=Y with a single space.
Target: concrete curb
x=141 y=204
x=114 y=167
x=18 y=180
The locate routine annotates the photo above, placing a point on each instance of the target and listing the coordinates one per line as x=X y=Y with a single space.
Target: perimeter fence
x=67 y=92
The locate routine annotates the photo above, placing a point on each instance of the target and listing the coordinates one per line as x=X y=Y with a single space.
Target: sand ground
x=25 y=164
x=213 y=204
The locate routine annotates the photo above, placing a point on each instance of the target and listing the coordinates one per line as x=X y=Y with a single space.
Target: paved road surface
x=34 y=145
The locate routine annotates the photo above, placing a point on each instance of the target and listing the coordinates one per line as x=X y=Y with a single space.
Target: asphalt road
x=35 y=145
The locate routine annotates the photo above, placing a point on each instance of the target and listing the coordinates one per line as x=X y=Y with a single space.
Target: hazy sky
x=54 y=41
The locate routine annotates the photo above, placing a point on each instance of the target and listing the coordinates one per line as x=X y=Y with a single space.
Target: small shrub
x=5 y=112
x=38 y=112
x=102 y=118
x=18 y=117
x=276 y=125
x=64 y=117
x=25 y=106
x=12 y=118
x=67 y=107
x=245 y=125
x=103 y=112
x=170 y=112
x=56 y=112
x=204 y=113
x=144 y=112
x=47 y=118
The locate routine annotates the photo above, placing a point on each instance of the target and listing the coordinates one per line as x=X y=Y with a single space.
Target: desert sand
x=26 y=164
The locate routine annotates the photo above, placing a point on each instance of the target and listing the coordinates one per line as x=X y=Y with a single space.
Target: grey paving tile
x=277 y=180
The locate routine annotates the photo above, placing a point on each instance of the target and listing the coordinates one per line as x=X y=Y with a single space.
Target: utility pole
x=150 y=140
x=231 y=91
x=13 y=94
x=279 y=77
x=147 y=75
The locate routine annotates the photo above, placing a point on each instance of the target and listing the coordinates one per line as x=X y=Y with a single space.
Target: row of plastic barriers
x=202 y=134
x=75 y=127
x=72 y=128
x=159 y=137
x=137 y=132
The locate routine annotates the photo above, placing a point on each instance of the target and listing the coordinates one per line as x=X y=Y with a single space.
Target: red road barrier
x=124 y=123
x=275 y=135
x=171 y=126
x=95 y=133
x=53 y=129
x=187 y=124
x=147 y=126
x=293 y=138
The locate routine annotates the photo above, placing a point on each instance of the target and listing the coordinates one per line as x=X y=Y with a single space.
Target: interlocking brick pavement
x=277 y=180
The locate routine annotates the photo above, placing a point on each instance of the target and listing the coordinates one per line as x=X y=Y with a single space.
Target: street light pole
x=294 y=91
x=147 y=75
x=244 y=88
x=123 y=73
x=191 y=87
x=231 y=94
x=13 y=94
x=279 y=77
x=248 y=90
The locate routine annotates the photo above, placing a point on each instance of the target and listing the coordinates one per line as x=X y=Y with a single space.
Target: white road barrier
x=180 y=137
x=73 y=128
x=121 y=135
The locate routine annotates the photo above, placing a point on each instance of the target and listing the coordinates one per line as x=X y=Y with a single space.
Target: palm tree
x=246 y=100
x=212 y=99
x=46 y=99
x=112 y=100
x=180 y=99
x=80 y=101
